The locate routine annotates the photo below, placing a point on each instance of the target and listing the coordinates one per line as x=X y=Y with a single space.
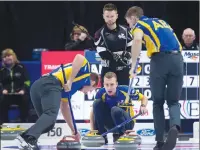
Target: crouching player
x=106 y=112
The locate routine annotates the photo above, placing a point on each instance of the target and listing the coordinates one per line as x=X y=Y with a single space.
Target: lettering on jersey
x=161 y=24
x=51 y=67
x=96 y=68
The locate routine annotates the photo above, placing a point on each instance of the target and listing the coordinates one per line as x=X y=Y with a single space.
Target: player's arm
x=143 y=99
x=136 y=46
x=143 y=106
x=76 y=66
x=64 y=107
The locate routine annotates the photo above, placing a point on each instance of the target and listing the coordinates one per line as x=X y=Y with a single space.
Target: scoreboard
x=190 y=89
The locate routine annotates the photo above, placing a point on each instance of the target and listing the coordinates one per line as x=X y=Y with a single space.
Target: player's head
x=94 y=80
x=110 y=14
x=133 y=14
x=110 y=83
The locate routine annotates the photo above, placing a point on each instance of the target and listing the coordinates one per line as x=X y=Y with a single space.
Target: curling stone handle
x=67 y=136
x=94 y=131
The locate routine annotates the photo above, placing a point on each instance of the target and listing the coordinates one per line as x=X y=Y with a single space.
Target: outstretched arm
x=64 y=106
x=136 y=47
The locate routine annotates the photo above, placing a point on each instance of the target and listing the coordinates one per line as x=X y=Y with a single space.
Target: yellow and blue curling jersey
x=158 y=35
x=82 y=78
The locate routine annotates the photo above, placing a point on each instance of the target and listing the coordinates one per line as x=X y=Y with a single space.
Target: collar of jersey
x=143 y=17
x=117 y=93
x=114 y=30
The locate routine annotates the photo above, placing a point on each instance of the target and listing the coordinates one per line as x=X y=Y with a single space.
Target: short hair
x=110 y=75
x=94 y=77
x=134 y=11
x=109 y=7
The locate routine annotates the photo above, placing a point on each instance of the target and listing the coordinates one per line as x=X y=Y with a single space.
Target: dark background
x=28 y=25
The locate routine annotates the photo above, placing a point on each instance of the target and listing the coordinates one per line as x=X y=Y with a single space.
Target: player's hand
x=77 y=136
x=67 y=86
x=143 y=110
x=5 y=91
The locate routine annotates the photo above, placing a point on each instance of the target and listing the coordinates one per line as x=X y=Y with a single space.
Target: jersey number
x=161 y=24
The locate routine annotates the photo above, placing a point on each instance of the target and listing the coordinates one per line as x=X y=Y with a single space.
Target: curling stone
x=8 y=133
x=124 y=143
x=68 y=143
x=91 y=139
x=131 y=134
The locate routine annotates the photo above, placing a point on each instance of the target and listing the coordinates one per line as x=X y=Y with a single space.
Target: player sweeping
x=46 y=95
x=166 y=70
x=106 y=111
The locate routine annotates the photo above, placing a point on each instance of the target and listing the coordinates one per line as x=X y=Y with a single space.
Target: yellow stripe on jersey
x=141 y=96
x=84 y=62
x=150 y=45
x=152 y=33
x=64 y=99
x=132 y=113
x=124 y=93
x=81 y=77
x=180 y=46
x=136 y=30
x=68 y=72
x=104 y=97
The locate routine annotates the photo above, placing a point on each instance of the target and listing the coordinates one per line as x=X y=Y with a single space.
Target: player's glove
x=126 y=57
x=134 y=94
x=116 y=57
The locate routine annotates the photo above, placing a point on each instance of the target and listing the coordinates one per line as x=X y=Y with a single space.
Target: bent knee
x=116 y=111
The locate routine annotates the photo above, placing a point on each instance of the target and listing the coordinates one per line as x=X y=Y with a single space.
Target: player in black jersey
x=113 y=43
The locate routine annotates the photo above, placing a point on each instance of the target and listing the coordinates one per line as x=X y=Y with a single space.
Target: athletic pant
x=106 y=118
x=166 y=69
x=45 y=96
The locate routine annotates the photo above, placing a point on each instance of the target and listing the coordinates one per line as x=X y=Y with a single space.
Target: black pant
x=106 y=118
x=122 y=75
x=45 y=96
x=7 y=100
x=166 y=69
